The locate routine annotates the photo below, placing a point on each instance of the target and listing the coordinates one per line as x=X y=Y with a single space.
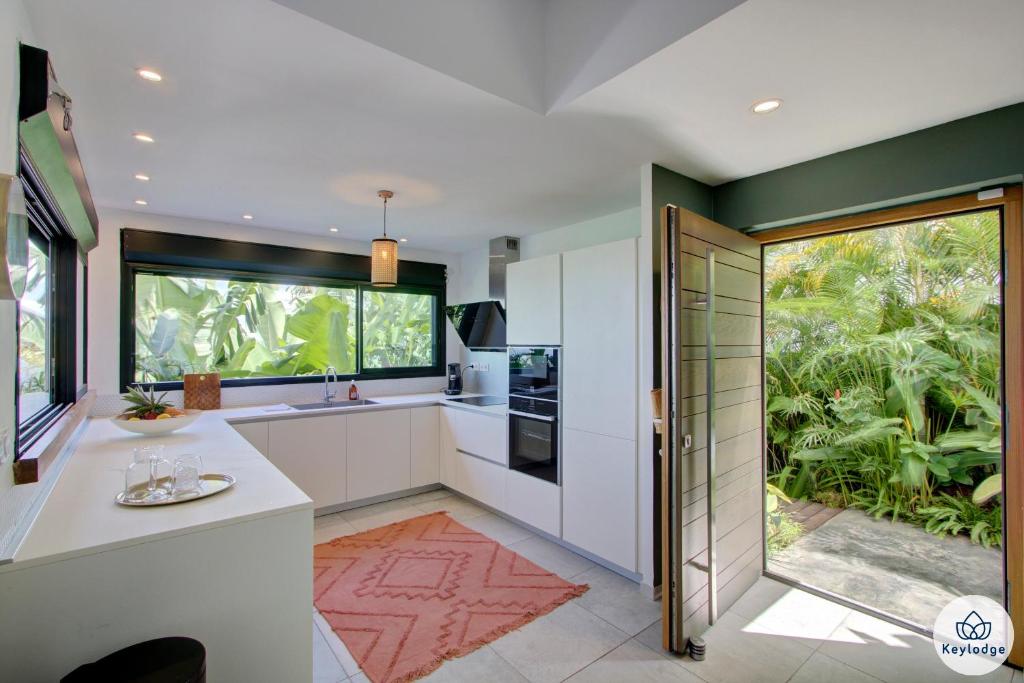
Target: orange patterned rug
x=407 y=596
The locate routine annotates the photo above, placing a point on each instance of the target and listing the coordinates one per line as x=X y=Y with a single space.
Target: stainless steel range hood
x=481 y=324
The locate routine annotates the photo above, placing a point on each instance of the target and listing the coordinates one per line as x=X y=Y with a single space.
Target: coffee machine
x=455 y=379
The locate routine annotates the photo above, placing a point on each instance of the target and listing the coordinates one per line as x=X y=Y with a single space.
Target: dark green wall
x=961 y=155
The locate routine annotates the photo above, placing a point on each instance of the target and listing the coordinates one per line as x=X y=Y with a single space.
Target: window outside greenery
x=245 y=329
x=882 y=372
x=398 y=330
x=34 y=335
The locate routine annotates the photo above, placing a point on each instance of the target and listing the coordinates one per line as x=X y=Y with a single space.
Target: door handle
x=710 y=450
x=531 y=416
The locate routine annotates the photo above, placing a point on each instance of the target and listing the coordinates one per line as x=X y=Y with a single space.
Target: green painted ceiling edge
x=983 y=150
x=43 y=147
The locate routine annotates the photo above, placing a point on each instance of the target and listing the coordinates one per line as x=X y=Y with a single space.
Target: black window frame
x=48 y=226
x=158 y=253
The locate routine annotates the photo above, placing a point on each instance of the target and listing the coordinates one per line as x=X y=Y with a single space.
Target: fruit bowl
x=156 y=427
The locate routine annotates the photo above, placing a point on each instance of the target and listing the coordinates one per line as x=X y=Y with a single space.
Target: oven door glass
x=533 y=372
x=533 y=447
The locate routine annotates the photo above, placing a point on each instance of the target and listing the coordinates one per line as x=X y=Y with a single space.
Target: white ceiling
x=491 y=117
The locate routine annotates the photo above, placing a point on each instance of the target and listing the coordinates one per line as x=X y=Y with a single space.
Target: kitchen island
x=233 y=571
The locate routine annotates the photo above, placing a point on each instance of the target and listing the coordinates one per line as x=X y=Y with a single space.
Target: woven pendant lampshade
x=384 y=254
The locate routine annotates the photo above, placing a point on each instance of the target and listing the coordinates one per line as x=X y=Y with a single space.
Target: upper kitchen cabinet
x=533 y=298
x=599 y=367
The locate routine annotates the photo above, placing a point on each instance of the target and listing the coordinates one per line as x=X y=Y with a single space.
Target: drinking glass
x=187 y=469
x=147 y=479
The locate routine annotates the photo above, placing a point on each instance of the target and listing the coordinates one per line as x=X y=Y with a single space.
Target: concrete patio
x=894 y=567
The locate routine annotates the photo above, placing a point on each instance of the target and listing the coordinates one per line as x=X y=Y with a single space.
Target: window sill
x=32 y=464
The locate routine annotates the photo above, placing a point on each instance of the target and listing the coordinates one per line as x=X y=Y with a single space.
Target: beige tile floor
x=612 y=634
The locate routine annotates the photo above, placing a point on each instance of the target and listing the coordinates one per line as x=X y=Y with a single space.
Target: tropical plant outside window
x=34 y=336
x=253 y=329
x=398 y=330
x=882 y=362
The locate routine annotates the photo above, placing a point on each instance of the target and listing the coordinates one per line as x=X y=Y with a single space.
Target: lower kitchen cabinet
x=425 y=445
x=534 y=501
x=599 y=505
x=448 y=458
x=481 y=479
x=481 y=434
x=378 y=453
x=256 y=433
x=311 y=451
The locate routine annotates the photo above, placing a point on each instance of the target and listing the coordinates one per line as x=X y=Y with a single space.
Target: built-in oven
x=534 y=412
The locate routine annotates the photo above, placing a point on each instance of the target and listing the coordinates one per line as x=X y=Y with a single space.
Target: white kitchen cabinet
x=534 y=302
x=481 y=434
x=378 y=453
x=534 y=501
x=311 y=451
x=599 y=365
x=599 y=511
x=448 y=461
x=256 y=433
x=425 y=445
x=481 y=480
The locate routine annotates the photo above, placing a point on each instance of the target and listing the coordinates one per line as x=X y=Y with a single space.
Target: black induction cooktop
x=480 y=400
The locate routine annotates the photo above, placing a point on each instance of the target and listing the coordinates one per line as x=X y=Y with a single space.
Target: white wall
x=104 y=304
x=14 y=501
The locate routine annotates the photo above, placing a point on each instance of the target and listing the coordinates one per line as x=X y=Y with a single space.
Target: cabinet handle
x=709 y=312
x=531 y=416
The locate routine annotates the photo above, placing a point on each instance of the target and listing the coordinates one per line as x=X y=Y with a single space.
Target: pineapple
x=147 y=406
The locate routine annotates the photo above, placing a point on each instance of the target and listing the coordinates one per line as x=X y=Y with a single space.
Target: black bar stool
x=164 y=660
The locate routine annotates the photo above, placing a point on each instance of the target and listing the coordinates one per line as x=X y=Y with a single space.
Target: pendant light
x=384 y=255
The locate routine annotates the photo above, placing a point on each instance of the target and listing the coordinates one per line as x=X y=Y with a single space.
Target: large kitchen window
x=285 y=318
x=47 y=369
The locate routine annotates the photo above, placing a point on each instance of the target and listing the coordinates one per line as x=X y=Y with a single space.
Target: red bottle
x=353 y=391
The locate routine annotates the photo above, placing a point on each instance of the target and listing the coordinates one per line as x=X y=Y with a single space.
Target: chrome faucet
x=328 y=374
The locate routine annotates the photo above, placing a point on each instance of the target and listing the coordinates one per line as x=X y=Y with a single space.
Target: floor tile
x=558 y=644
x=737 y=656
x=481 y=665
x=341 y=653
x=458 y=508
x=326 y=668
x=651 y=638
x=330 y=527
x=498 y=528
x=380 y=514
x=822 y=669
x=437 y=494
x=892 y=653
x=631 y=661
x=619 y=601
x=759 y=597
x=794 y=613
x=552 y=557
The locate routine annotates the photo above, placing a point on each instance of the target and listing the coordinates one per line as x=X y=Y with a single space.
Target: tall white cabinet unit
x=599 y=401
x=534 y=302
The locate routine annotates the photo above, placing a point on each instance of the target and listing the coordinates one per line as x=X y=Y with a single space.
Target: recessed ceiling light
x=766 y=106
x=142 y=176
x=403 y=239
x=333 y=229
x=141 y=202
x=150 y=75
x=143 y=137
x=247 y=216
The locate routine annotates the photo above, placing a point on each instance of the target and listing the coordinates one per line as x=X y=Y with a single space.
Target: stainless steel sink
x=334 y=404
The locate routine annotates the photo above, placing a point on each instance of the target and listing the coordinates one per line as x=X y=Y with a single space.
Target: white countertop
x=80 y=516
x=283 y=411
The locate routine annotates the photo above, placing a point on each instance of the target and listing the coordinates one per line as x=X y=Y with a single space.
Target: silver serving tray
x=209 y=485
